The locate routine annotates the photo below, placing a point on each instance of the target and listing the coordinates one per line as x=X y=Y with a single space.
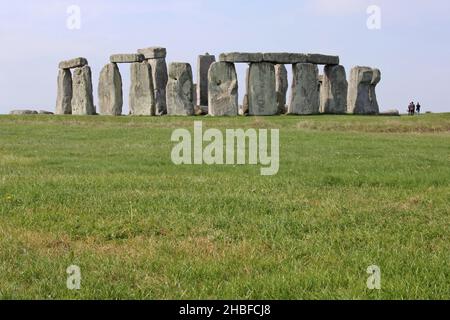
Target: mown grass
x=103 y=194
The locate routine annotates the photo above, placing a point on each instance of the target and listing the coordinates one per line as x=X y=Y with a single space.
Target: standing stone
x=64 y=94
x=110 y=96
x=82 y=99
x=281 y=87
x=142 y=98
x=156 y=57
x=333 y=93
x=362 y=98
x=203 y=64
x=194 y=95
x=261 y=92
x=245 y=106
x=179 y=90
x=305 y=93
x=160 y=78
x=223 y=89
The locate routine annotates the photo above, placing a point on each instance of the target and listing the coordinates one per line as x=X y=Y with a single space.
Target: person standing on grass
x=418 y=107
x=411 y=109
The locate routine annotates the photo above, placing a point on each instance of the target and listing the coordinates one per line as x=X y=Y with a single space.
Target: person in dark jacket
x=418 y=108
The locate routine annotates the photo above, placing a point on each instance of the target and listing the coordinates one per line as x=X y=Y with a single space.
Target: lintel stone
x=127 y=58
x=73 y=63
x=153 y=52
x=241 y=57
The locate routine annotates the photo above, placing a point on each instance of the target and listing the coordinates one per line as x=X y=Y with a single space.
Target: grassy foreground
x=103 y=194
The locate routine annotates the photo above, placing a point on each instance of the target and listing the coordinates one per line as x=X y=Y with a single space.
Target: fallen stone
x=126 y=58
x=179 y=90
x=142 y=93
x=285 y=58
x=73 y=63
x=160 y=77
x=361 y=92
x=201 y=110
x=153 y=52
x=305 y=93
x=236 y=57
x=64 y=92
x=262 y=95
x=204 y=62
x=22 y=112
x=110 y=97
x=223 y=89
x=281 y=87
x=82 y=98
x=322 y=59
x=390 y=113
x=334 y=90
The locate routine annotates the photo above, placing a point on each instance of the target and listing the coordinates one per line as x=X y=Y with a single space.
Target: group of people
x=413 y=108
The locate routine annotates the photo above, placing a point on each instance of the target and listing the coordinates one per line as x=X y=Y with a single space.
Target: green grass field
x=103 y=194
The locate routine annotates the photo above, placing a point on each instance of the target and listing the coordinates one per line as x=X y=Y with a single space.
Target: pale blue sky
x=412 y=48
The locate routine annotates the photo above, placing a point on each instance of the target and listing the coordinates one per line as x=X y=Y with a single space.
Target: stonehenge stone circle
x=82 y=98
x=64 y=93
x=73 y=63
x=361 y=92
x=333 y=93
x=110 y=97
x=203 y=64
x=305 y=93
x=223 y=89
x=126 y=58
x=179 y=90
x=281 y=87
x=261 y=90
x=156 y=57
x=142 y=93
x=158 y=90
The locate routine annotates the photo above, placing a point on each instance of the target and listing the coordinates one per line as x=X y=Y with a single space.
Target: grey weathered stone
x=236 y=57
x=390 y=113
x=194 y=95
x=223 y=89
x=334 y=88
x=160 y=77
x=23 y=112
x=261 y=93
x=142 y=92
x=153 y=52
x=73 y=63
x=82 y=98
x=285 y=57
x=315 y=58
x=203 y=64
x=361 y=93
x=281 y=87
x=110 y=97
x=279 y=58
x=305 y=93
x=179 y=90
x=64 y=94
x=127 y=58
